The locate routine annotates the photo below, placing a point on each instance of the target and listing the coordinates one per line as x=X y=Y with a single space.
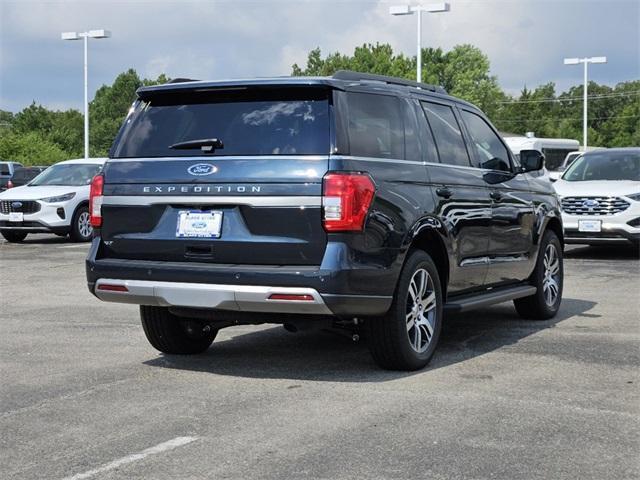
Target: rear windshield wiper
x=207 y=145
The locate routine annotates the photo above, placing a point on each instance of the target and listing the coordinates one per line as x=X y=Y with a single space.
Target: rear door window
x=375 y=126
x=4 y=169
x=429 y=150
x=447 y=133
x=246 y=121
x=490 y=151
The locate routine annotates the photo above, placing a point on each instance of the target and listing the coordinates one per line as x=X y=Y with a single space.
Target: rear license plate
x=198 y=224
x=589 y=225
x=16 y=216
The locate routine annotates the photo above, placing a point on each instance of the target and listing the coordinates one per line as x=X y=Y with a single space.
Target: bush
x=30 y=148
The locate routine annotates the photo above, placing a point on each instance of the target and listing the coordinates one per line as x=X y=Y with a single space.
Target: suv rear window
x=247 y=121
x=20 y=174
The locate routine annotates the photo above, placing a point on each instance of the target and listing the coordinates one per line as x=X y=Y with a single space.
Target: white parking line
x=77 y=245
x=162 y=447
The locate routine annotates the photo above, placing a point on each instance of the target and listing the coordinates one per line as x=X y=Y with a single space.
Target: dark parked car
x=6 y=172
x=24 y=175
x=351 y=201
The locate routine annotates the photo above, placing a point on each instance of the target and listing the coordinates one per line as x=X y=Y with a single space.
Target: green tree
x=110 y=106
x=466 y=74
x=463 y=71
x=30 y=148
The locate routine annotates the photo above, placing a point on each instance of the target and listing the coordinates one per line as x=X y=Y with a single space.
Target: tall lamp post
x=586 y=61
x=85 y=36
x=410 y=10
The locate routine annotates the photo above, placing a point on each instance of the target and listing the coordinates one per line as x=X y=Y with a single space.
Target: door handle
x=495 y=195
x=443 y=192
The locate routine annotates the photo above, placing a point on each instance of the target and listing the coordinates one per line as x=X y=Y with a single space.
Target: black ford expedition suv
x=355 y=199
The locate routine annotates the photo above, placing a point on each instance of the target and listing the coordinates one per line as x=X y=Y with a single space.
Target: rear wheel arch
x=430 y=241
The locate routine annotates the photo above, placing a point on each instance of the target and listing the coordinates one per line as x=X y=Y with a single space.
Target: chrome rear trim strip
x=254 y=201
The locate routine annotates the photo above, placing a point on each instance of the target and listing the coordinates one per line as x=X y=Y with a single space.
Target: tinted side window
x=4 y=169
x=411 y=145
x=375 y=126
x=429 y=151
x=446 y=131
x=490 y=151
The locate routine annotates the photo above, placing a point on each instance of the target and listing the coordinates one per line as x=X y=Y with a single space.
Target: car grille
x=594 y=205
x=24 y=206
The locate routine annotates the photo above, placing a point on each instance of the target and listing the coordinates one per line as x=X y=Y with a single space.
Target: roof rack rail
x=182 y=80
x=357 y=76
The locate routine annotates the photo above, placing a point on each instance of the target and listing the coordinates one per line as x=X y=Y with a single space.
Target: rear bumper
x=337 y=289
x=245 y=298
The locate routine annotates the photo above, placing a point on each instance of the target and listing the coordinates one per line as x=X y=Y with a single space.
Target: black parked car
x=350 y=200
x=23 y=175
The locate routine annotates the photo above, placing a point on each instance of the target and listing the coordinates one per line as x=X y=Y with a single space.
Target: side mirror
x=531 y=160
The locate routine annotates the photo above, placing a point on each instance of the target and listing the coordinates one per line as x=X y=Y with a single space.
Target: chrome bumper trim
x=247 y=298
x=255 y=201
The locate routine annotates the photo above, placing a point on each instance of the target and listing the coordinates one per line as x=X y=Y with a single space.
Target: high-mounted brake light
x=346 y=201
x=95 y=201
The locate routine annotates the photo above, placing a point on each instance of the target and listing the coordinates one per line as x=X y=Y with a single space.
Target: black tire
x=172 y=334
x=539 y=306
x=13 y=236
x=389 y=338
x=80 y=230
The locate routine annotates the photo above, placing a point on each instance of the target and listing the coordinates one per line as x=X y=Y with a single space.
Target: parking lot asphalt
x=83 y=395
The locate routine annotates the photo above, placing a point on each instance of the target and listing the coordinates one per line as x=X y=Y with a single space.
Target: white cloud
x=525 y=40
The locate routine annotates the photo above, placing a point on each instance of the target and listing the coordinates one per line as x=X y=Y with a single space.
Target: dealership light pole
x=586 y=61
x=85 y=36
x=410 y=10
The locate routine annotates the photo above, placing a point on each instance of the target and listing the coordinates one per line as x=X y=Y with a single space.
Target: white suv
x=600 y=195
x=56 y=201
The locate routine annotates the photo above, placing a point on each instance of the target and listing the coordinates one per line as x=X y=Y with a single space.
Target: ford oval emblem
x=16 y=205
x=200 y=169
x=590 y=204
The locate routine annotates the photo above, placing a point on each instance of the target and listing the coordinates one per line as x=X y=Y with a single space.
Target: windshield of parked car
x=246 y=121
x=620 y=165
x=68 y=174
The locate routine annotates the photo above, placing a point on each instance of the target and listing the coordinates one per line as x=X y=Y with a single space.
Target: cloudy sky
x=525 y=40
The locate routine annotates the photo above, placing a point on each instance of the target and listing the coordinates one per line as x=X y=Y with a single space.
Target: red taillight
x=9 y=184
x=95 y=200
x=112 y=288
x=289 y=296
x=346 y=201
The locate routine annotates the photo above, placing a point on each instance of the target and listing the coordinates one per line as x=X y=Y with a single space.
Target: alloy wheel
x=84 y=225
x=421 y=310
x=551 y=280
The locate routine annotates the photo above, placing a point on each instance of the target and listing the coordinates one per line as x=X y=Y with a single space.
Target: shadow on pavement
x=323 y=356
x=40 y=239
x=613 y=252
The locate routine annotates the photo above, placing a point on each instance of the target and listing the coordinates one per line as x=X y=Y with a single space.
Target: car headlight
x=634 y=196
x=59 y=198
